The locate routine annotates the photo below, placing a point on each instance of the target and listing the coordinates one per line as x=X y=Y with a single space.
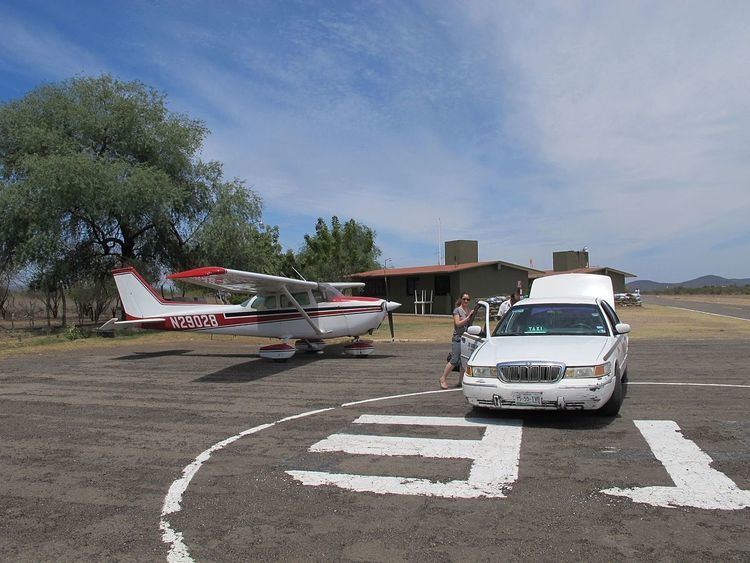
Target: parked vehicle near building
x=628 y=299
x=562 y=348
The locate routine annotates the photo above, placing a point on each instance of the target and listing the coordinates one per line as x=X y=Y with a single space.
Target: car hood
x=570 y=350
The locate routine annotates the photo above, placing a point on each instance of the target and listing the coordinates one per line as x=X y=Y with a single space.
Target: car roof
x=577 y=286
x=557 y=300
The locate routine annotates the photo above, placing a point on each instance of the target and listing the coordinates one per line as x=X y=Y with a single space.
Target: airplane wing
x=237 y=281
x=345 y=285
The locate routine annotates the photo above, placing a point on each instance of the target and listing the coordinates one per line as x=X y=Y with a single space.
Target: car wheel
x=612 y=407
x=625 y=376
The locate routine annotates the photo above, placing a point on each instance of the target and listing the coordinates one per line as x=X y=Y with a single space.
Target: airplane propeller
x=391 y=306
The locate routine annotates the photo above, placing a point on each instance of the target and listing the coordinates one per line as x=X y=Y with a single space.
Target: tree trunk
x=64 y=307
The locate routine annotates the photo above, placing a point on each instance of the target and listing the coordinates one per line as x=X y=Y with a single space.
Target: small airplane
x=285 y=308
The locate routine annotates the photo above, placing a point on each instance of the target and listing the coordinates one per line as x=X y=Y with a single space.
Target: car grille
x=530 y=372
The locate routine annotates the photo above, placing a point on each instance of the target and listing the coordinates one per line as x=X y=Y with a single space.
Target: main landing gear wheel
x=359 y=348
x=277 y=352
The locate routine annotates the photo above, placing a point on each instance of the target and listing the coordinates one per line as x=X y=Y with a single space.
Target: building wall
x=618 y=281
x=485 y=281
x=569 y=260
x=488 y=281
x=461 y=251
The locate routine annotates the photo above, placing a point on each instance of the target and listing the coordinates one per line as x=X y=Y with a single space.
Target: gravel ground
x=93 y=439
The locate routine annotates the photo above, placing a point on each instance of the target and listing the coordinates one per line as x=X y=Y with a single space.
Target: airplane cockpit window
x=261 y=302
x=318 y=296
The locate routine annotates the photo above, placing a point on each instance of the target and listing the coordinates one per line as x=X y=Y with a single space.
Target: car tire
x=612 y=406
x=625 y=376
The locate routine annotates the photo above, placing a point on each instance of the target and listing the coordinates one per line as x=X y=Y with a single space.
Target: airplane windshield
x=329 y=292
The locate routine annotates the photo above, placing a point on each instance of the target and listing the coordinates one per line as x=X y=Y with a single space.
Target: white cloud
x=641 y=114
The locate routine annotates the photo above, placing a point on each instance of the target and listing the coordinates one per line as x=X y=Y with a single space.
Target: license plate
x=528 y=398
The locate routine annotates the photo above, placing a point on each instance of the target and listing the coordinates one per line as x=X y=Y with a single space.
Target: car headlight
x=481 y=371
x=589 y=371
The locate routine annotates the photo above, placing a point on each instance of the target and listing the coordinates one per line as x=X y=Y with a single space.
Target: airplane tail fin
x=139 y=299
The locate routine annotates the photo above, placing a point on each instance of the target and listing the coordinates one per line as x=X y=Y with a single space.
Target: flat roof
x=439 y=269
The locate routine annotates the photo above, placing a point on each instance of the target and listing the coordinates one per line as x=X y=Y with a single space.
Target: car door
x=476 y=333
x=621 y=340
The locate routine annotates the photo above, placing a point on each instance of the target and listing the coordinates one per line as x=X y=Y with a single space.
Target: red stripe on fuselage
x=254 y=319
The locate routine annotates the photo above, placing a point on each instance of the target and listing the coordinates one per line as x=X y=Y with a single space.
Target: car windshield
x=553 y=318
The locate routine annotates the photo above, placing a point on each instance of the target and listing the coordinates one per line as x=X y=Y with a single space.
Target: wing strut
x=297 y=306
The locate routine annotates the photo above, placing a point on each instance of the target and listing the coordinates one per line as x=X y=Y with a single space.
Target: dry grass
x=21 y=342
x=664 y=323
x=417 y=328
x=649 y=322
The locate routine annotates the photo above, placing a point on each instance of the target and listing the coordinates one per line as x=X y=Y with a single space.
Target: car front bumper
x=566 y=394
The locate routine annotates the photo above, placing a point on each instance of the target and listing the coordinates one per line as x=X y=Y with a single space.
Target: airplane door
x=479 y=327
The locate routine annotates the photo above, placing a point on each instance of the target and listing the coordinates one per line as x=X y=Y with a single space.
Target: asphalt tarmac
x=736 y=310
x=149 y=452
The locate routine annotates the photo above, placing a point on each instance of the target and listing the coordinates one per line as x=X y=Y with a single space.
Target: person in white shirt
x=508 y=303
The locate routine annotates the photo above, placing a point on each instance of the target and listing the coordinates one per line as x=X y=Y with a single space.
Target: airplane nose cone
x=391 y=306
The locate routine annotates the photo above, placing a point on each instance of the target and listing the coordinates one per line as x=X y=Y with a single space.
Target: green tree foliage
x=96 y=173
x=234 y=236
x=333 y=253
x=705 y=290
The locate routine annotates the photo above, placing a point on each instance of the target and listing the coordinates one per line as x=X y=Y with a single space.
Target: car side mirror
x=474 y=330
x=622 y=328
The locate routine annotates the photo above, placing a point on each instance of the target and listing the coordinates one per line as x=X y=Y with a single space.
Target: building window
x=411 y=285
x=442 y=285
x=374 y=287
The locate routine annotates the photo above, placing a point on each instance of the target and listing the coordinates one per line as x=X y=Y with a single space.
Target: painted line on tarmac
x=398 y=396
x=178 y=550
x=705 y=313
x=688 y=384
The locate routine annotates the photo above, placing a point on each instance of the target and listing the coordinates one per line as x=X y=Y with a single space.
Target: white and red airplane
x=284 y=308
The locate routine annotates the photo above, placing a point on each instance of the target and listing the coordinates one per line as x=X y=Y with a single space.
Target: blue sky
x=531 y=127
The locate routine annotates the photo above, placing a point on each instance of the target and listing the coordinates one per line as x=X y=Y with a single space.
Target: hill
x=703 y=281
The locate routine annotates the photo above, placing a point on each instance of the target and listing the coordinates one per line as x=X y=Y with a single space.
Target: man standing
x=508 y=303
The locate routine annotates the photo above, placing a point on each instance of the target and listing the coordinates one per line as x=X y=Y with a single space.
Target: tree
x=331 y=254
x=96 y=173
x=234 y=236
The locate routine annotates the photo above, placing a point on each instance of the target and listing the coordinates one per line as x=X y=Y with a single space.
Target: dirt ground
x=97 y=438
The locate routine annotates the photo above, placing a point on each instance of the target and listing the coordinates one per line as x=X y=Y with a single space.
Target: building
x=441 y=285
x=434 y=289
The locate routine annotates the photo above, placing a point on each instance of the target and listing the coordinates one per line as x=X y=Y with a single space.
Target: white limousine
x=562 y=348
